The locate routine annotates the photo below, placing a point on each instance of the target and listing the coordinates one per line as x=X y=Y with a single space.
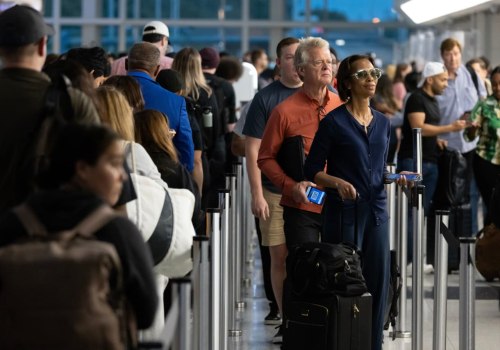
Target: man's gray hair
x=305 y=45
x=144 y=56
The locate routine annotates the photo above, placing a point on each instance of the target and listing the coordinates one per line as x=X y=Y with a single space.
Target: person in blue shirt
x=353 y=140
x=143 y=63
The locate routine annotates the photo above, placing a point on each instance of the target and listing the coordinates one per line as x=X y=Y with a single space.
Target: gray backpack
x=62 y=290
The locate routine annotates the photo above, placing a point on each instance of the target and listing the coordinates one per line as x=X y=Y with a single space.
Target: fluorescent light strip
x=421 y=11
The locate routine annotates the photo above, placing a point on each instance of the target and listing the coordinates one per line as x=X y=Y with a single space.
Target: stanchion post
x=182 y=292
x=216 y=318
x=201 y=294
x=418 y=277
x=440 y=281
x=467 y=312
x=224 y=268
x=402 y=329
x=391 y=209
x=238 y=235
x=233 y=331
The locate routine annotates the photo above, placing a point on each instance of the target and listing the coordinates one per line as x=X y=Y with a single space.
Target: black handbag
x=316 y=269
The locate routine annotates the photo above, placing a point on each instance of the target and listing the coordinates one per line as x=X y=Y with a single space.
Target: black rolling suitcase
x=325 y=299
x=329 y=322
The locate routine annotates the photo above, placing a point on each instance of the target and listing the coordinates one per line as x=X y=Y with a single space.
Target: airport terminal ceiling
x=351 y=26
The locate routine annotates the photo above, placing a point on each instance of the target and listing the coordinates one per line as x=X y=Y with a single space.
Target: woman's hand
x=346 y=190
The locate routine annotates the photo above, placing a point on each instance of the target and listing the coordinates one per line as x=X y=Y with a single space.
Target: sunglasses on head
x=362 y=74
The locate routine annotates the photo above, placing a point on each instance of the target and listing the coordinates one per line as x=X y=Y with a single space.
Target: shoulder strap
x=94 y=221
x=30 y=221
x=85 y=228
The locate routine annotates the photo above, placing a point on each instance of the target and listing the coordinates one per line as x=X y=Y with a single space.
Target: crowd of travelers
x=173 y=118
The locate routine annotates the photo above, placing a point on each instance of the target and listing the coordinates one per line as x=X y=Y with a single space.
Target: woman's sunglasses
x=362 y=74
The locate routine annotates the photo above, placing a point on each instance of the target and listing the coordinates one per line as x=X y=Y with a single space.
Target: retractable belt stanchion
x=467 y=314
x=247 y=229
x=201 y=294
x=182 y=292
x=418 y=246
x=391 y=209
x=224 y=269
x=238 y=235
x=233 y=331
x=402 y=329
x=440 y=281
x=216 y=318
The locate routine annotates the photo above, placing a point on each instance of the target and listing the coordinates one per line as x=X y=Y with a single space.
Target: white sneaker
x=428 y=269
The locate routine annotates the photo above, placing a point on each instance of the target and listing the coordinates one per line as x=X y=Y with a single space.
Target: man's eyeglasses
x=363 y=74
x=321 y=63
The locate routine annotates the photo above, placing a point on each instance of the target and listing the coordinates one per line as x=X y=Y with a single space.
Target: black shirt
x=420 y=102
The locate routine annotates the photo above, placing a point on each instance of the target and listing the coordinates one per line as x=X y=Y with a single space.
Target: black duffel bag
x=318 y=269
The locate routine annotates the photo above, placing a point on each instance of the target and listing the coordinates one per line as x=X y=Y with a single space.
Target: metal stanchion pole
x=391 y=209
x=233 y=331
x=467 y=314
x=402 y=330
x=247 y=229
x=216 y=318
x=224 y=268
x=418 y=277
x=201 y=294
x=182 y=292
x=238 y=235
x=440 y=281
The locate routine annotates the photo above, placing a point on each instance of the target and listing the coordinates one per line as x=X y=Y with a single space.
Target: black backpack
x=451 y=190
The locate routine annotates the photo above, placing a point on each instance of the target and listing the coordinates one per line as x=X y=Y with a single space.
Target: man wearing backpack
x=23 y=49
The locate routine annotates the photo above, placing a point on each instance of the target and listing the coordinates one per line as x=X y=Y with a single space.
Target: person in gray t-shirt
x=265 y=197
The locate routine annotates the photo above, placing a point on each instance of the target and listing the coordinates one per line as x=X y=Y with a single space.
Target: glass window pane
x=259 y=9
x=71 y=36
x=48 y=7
x=109 y=38
x=222 y=39
x=200 y=9
x=233 y=9
x=109 y=8
x=152 y=8
x=340 y=10
x=71 y=8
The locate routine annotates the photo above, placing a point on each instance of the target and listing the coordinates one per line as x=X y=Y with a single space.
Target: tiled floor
x=257 y=336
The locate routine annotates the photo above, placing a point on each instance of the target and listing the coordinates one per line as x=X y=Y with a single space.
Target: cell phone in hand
x=410 y=177
x=315 y=196
x=466 y=116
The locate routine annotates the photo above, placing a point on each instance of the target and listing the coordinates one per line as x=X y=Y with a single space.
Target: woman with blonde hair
x=153 y=133
x=116 y=112
x=202 y=105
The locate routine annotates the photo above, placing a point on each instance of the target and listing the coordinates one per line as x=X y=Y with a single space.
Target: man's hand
x=458 y=125
x=441 y=143
x=299 y=191
x=260 y=208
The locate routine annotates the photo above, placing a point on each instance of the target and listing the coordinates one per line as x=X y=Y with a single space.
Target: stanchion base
x=234 y=333
x=241 y=305
x=400 y=334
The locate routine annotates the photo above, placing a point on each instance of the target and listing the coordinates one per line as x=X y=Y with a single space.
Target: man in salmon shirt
x=299 y=114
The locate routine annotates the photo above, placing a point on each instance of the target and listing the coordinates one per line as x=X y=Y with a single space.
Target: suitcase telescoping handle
x=355 y=220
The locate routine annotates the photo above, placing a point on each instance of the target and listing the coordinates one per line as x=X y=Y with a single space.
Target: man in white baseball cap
x=154 y=32
x=422 y=111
